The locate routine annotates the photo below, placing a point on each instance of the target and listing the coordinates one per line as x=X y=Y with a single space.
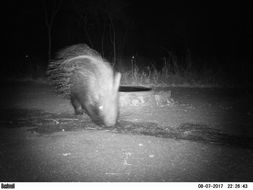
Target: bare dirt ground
x=194 y=134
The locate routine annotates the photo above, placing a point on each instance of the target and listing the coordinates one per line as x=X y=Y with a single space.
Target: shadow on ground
x=41 y=122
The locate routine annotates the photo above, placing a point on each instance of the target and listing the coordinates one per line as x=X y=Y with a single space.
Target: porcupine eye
x=98 y=104
x=100 y=107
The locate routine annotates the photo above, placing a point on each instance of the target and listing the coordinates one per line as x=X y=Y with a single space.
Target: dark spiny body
x=81 y=74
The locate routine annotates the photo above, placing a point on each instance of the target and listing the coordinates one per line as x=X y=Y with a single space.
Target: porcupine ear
x=117 y=78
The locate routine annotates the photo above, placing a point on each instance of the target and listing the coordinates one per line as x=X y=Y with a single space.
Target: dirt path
x=202 y=135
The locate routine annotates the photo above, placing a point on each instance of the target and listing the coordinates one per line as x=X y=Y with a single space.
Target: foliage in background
x=172 y=73
x=167 y=71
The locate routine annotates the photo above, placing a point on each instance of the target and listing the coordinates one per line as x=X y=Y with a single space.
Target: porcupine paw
x=79 y=111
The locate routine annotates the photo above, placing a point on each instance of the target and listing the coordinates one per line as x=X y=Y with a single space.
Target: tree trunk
x=49 y=42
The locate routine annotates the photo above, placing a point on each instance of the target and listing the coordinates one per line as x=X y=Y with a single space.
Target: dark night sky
x=221 y=29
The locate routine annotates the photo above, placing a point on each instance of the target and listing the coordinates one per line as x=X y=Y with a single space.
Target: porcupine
x=81 y=74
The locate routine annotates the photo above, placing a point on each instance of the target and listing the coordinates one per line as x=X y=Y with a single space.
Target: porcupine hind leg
x=77 y=106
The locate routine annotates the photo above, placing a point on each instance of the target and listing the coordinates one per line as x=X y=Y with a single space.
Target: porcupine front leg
x=77 y=106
